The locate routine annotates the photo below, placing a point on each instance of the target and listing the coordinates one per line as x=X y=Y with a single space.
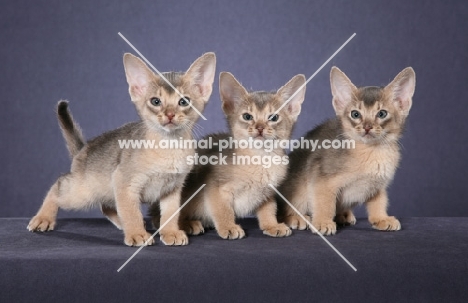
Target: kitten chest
x=165 y=173
x=370 y=170
x=254 y=189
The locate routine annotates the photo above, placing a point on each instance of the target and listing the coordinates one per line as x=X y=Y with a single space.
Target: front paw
x=175 y=237
x=41 y=223
x=138 y=239
x=232 y=232
x=386 y=223
x=280 y=230
x=193 y=227
x=345 y=218
x=325 y=227
x=296 y=222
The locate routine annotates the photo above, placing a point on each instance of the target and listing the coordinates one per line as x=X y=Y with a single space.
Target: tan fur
x=234 y=191
x=120 y=179
x=327 y=184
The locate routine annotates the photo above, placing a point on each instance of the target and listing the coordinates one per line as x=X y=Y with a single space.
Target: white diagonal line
x=161 y=227
x=313 y=228
x=161 y=75
x=311 y=77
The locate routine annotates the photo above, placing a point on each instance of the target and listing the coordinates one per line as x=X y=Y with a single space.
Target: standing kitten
x=328 y=183
x=117 y=179
x=236 y=190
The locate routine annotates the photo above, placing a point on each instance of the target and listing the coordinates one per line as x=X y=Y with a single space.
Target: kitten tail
x=70 y=130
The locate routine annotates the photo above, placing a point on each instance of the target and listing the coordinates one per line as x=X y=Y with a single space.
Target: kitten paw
x=326 y=228
x=193 y=227
x=176 y=238
x=386 y=224
x=138 y=239
x=280 y=230
x=41 y=223
x=296 y=222
x=231 y=233
x=345 y=218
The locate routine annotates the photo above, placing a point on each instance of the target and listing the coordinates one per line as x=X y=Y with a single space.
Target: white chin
x=170 y=128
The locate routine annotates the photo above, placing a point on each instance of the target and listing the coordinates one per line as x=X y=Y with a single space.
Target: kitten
x=119 y=179
x=236 y=190
x=328 y=183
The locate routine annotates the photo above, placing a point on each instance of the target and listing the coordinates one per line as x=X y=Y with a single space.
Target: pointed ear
x=231 y=91
x=342 y=89
x=138 y=76
x=201 y=75
x=294 y=91
x=402 y=89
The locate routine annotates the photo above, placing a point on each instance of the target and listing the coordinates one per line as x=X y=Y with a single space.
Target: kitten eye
x=155 y=101
x=382 y=114
x=355 y=114
x=247 y=117
x=273 y=118
x=183 y=102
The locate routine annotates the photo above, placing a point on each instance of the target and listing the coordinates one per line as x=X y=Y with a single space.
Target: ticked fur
x=119 y=179
x=328 y=183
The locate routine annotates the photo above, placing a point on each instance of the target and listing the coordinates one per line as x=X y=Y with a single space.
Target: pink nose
x=170 y=116
x=260 y=131
x=367 y=128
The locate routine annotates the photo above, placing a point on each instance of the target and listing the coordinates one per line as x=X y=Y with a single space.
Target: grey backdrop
x=62 y=49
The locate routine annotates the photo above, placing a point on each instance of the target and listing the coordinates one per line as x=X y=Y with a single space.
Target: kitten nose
x=367 y=128
x=170 y=115
x=260 y=130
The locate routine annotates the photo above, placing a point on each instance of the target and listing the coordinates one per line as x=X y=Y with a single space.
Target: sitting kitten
x=119 y=179
x=328 y=183
x=236 y=190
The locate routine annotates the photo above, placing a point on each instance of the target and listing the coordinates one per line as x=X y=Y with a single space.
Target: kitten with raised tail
x=239 y=188
x=328 y=183
x=104 y=173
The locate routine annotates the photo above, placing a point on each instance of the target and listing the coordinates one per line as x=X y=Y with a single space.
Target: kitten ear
x=294 y=91
x=342 y=89
x=231 y=91
x=138 y=76
x=201 y=75
x=402 y=89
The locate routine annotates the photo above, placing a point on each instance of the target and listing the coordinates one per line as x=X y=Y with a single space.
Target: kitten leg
x=324 y=208
x=170 y=233
x=111 y=214
x=345 y=217
x=266 y=215
x=377 y=211
x=298 y=198
x=71 y=191
x=45 y=218
x=219 y=202
x=187 y=218
x=128 y=208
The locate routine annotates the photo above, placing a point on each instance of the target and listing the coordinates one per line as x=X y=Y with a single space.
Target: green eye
x=247 y=117
x=155 y=101
x=273 y=118
x=382 y=114
x=355 y=114
x=184 y=101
